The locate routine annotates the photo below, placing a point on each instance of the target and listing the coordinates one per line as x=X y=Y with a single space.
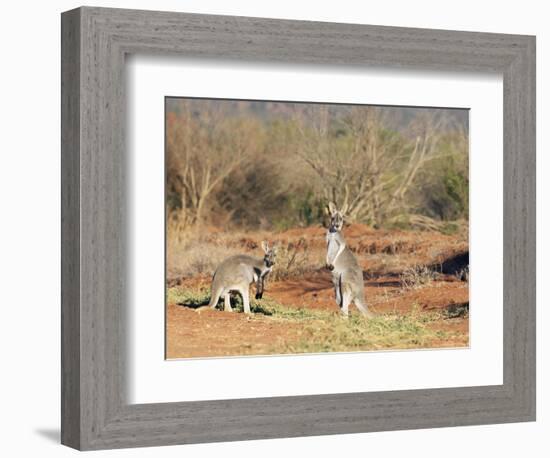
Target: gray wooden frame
x=95 y=413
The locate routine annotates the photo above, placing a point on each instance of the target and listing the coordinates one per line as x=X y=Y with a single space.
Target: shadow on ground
x=236 y=303
x=53 y=435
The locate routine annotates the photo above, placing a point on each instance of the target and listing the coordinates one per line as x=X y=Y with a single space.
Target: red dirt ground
x=216 y=333
x=382 y=254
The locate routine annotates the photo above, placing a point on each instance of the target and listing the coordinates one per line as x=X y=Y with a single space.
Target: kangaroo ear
x=332 y=208
x=265 y=246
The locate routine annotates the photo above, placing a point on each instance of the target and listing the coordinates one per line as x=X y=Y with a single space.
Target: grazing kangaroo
x=237 y=273
x=347 y=276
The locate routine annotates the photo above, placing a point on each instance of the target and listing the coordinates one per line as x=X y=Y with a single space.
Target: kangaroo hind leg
x=246 y=300
x=346 y=300
x=227 y=302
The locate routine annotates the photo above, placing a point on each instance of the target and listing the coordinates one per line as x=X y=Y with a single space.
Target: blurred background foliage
x=275 y=165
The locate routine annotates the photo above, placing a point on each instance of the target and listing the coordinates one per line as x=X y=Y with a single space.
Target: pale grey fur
x=237 y=273
x=347 y=275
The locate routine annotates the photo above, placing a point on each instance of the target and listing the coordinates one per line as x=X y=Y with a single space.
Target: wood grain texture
x=95 y=413
x=70 y=229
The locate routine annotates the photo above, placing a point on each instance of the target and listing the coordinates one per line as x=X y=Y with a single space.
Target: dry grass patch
x=417 y=276
x=326 y=331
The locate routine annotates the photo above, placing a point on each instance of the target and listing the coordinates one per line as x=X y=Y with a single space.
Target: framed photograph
x=277 y=228
x=260 y=192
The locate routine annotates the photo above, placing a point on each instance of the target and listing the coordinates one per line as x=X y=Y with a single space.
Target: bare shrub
x=274 y=165
x=364 y=166
x=292 y=260
x=202 y=151
x=417 y=276
x=463 y=274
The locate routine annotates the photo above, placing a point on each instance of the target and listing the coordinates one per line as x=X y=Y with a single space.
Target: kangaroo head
x=336 y=218
x=269 y=254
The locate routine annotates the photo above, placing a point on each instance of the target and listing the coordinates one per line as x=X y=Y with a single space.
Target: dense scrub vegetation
x=268 y=165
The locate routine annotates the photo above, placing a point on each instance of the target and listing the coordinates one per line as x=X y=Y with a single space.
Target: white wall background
x=29 y=228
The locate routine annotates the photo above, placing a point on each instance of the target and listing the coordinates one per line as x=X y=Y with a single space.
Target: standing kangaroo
x=237 y=273
x=347 y=276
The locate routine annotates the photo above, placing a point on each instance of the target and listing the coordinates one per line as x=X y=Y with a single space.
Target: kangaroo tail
x=363 y=307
